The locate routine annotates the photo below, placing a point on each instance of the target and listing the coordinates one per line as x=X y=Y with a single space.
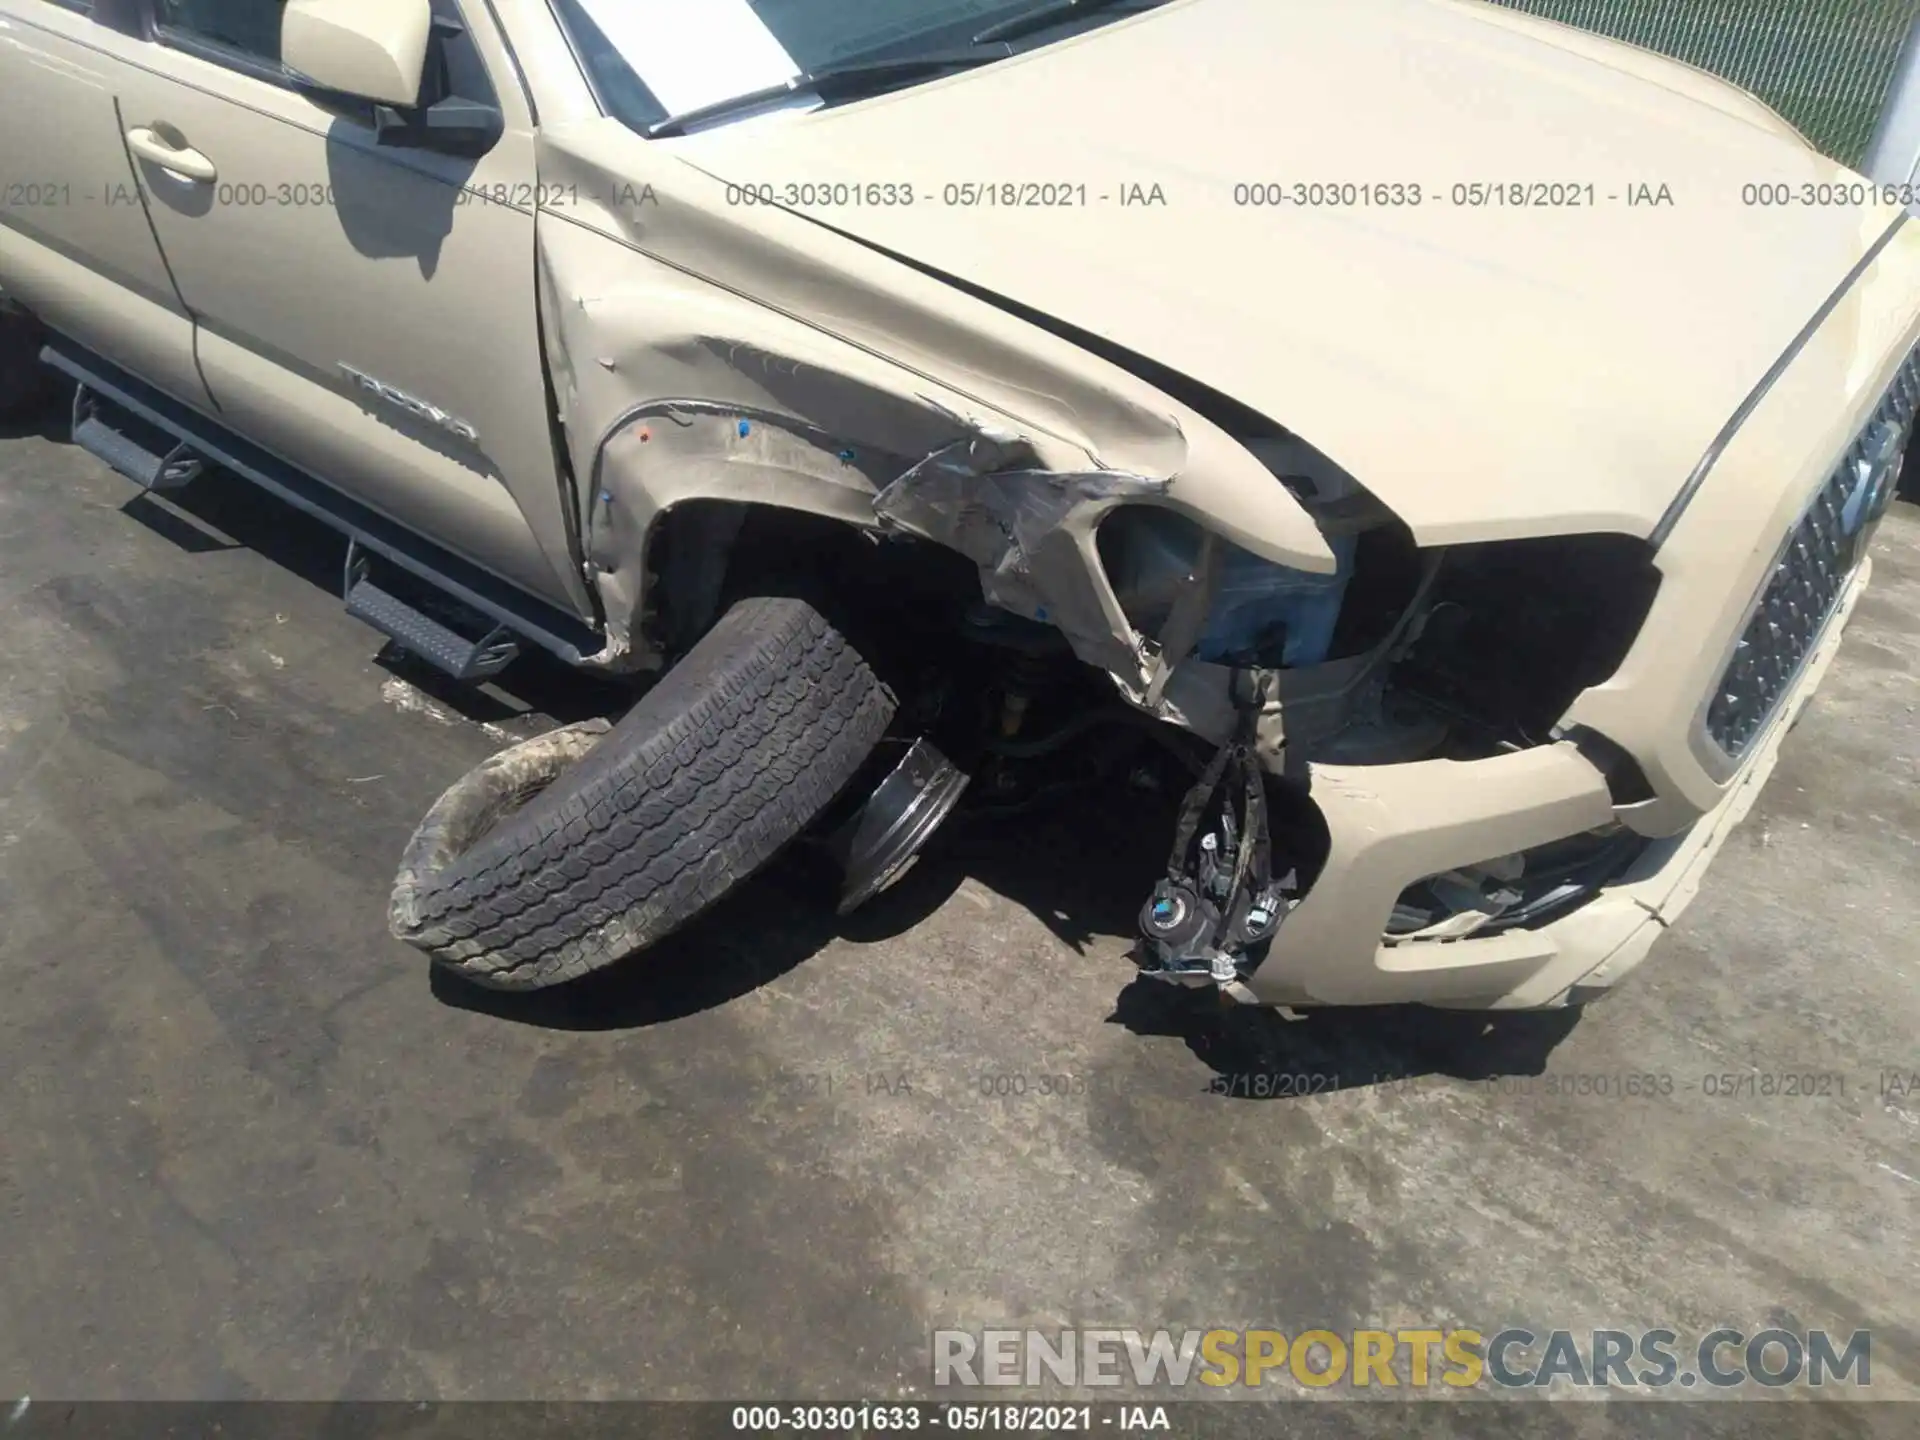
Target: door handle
x=183 y=160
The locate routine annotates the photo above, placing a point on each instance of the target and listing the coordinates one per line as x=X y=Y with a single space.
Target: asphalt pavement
x=250 y=1147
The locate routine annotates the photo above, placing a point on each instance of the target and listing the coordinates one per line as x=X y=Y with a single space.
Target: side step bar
x=143 y=452
x=142 y=433
x=438 y=644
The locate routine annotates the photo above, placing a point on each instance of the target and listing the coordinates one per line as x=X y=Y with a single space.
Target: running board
x=410 y=627
x=510 y=609
x=138 y=449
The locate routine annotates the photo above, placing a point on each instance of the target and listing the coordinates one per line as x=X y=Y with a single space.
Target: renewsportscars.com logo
x=1413 y=1359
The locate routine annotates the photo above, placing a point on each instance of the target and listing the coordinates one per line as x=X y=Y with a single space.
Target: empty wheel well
x=892 y=595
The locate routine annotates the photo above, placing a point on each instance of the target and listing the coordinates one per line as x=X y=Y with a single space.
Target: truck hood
x=1488 y=368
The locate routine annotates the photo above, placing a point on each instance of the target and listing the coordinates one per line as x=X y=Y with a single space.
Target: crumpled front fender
x=673 y=387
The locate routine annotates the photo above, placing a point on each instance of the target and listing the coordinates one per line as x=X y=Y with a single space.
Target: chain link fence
x=1824 y=64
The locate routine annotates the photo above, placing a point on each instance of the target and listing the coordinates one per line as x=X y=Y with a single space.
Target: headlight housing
x=1261 y=614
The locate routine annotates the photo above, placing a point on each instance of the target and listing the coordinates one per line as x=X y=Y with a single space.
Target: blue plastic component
x=1259 y=607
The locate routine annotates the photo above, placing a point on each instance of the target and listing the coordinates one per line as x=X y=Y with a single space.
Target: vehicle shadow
x=1258 y=1054
x=1080 y=865
x=37 y=427
x=1082 y=868
x=220 y=511
x=762 y=930
x=49 y=419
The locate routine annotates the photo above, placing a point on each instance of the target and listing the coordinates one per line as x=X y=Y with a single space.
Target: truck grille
x=1807 y=581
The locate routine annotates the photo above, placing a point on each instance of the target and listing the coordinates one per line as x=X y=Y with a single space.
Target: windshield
x=651 y=59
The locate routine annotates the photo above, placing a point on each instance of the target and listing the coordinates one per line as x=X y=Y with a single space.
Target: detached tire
x=629 y=833
x=26 y=385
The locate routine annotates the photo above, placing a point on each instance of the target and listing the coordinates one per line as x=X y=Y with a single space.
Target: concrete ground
x=250 y=1147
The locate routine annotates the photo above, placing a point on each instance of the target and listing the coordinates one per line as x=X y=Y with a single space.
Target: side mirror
x=371 y=49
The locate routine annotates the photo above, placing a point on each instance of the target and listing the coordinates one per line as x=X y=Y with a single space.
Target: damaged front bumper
x=1392 y=825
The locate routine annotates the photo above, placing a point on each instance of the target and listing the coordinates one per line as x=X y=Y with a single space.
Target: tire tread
x=722 y=763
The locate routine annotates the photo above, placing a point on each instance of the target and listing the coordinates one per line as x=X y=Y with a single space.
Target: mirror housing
x=370 y=49
x=452 y=126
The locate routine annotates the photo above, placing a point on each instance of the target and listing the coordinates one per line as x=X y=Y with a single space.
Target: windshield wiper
x=845 y=81
x=1045 y=16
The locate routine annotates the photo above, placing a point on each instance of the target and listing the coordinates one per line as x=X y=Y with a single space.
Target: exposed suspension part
x=1026 y=676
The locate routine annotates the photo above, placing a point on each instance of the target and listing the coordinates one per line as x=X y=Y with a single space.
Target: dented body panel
x=1489 y=369
x=970 y=377
x=666 y=292
x=1369 y=296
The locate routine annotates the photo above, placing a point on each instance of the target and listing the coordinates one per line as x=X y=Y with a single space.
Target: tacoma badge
x=432 y=414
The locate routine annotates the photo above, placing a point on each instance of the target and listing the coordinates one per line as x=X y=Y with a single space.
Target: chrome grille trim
x=1807 y=581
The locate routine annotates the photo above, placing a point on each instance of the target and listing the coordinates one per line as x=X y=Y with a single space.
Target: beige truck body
x=583 y=328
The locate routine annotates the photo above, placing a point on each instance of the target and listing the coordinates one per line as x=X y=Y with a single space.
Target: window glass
x=647 y=58
x=251 y=29
x=622 y=90
x=250 y=26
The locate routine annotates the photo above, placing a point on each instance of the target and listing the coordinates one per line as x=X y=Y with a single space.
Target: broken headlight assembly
x=1492 y=647
x=1209 y=917
x=1513 y=631
x=1260 y=614
x=1219 y=899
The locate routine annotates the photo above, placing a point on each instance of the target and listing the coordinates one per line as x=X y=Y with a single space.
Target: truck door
x=76 y=245
x=366 y=311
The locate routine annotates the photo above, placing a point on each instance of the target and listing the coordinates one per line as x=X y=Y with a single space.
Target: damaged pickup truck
x=1455 y=439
